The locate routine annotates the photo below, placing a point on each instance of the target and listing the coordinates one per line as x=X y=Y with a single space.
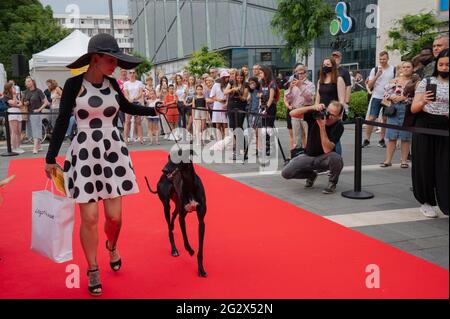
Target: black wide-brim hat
x=104 y=43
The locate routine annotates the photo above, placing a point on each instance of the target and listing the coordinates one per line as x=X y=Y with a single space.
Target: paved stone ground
x=394 y=216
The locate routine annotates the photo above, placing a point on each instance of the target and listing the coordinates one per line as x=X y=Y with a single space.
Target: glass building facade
x=238 y=57
x=169 y=31
x=358 y=45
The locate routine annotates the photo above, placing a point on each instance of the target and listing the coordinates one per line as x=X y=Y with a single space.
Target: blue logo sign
x=343 y=23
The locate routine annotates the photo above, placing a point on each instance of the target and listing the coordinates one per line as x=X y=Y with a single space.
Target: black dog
x=181 y=184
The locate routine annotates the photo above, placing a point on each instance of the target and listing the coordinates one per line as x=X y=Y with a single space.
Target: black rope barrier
x=412 y=129
x=357 y=192
x=6 y=114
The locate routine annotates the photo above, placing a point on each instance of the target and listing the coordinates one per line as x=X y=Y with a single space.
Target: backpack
x=376 y=68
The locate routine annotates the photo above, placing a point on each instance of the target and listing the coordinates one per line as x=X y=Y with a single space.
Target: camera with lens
x=321 y=115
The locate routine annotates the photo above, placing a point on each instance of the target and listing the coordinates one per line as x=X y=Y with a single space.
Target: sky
x=88 y=6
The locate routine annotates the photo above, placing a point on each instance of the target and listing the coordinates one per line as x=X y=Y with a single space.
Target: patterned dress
x=97 y=164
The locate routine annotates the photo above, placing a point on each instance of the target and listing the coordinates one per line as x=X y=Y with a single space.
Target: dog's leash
x=168 y=124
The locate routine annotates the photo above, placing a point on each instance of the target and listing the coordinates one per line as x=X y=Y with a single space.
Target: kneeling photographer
x=325 y=129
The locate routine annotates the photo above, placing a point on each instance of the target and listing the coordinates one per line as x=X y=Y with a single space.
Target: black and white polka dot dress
x=97 y=164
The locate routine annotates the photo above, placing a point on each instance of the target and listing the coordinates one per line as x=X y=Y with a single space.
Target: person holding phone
x=430 y=152
x=299 y=94
x=379 y=77
x=396 y=95
x=237 y=93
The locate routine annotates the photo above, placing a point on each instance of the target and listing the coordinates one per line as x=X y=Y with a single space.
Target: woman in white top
x=15 y=120
x=430 y=153
x=189 y=96
x=134 y=92
x=220 y=103
x=163 y=83
x=180 y=92
x=56 y=93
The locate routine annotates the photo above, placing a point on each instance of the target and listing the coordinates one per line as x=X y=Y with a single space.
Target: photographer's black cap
x=104 y=43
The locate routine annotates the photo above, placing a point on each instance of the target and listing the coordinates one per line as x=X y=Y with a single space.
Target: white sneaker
x=428 y=211
x=18 y=151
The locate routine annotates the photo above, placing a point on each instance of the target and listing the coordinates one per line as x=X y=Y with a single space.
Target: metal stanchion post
x=357 y=193
x=8 y=138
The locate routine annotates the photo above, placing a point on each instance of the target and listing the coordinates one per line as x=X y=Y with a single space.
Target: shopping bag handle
x=52 y=187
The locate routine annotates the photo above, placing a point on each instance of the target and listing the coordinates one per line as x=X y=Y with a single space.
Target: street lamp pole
x=147 y=45
x=111 y=16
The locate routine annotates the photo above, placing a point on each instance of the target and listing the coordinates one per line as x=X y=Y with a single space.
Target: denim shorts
x=398 y=119
x=375 y=107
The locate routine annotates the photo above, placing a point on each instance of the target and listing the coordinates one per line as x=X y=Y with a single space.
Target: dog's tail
x=148 y=185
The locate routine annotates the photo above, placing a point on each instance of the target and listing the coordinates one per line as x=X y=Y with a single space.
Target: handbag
x=389 y=110
x=24 y=109
x=52 y=225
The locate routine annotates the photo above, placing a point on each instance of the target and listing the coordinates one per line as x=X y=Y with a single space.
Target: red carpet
x=256 y=246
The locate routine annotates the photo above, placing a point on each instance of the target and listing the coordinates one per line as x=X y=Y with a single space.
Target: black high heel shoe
x=115 y=265
x=94 y=285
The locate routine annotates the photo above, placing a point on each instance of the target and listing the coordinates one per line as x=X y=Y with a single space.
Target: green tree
x=26 y=27
x=412 y=33
x=301 y=21
x=201 y=61
x=144 y=67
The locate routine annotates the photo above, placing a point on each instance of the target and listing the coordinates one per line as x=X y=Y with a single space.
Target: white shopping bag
x=52 y=225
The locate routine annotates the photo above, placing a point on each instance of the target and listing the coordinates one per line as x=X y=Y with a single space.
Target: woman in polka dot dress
x=97 y=165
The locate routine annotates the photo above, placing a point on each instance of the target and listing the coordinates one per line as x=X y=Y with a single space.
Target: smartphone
x=432 y=87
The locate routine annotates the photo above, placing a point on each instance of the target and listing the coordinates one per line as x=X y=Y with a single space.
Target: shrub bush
x=281 y=108
x=358 y=105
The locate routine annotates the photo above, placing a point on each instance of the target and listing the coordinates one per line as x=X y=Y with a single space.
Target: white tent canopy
x=51 y=63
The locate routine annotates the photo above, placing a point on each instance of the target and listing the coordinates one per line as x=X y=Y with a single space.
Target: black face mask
x=327 y=69
x=443 y=74
x=426 y=61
